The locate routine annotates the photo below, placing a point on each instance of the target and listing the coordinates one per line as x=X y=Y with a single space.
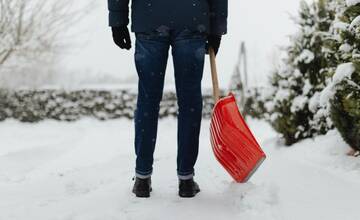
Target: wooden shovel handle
x=215 y=81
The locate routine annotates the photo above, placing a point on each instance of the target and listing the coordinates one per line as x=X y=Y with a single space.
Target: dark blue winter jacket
x=203 y=15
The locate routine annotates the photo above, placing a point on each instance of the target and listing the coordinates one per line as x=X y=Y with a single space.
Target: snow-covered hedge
x=33 y=106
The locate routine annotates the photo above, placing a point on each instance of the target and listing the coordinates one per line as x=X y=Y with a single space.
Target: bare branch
x=31 y=28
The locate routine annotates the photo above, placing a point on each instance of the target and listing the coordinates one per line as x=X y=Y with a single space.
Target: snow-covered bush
x=255 y=99
x=294 y=110
x=343 y=93
x=3 y=101
x=345 y=107
x=34 y=106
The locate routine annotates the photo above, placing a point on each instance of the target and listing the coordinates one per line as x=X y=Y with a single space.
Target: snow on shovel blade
x=233 y=143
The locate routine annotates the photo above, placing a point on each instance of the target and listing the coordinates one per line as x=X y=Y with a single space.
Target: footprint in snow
x=74 y=189
x=253 y=200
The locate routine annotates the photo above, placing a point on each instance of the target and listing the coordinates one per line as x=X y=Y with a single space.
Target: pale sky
x=263 y=25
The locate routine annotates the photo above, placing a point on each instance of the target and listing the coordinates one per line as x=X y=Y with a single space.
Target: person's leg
x=151 y=54
x=188 y=50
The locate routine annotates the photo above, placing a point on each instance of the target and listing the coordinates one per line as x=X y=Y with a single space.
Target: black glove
x=121 y=37
x=214 y=42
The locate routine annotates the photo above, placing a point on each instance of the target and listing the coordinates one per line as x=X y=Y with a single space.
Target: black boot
x=142 y=187
x=188 y=188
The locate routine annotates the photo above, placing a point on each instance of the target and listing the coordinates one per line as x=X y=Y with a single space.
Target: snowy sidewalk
x=83 y=171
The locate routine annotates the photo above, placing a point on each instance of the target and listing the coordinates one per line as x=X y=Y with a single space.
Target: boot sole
x=142 y=194
x=188 y=194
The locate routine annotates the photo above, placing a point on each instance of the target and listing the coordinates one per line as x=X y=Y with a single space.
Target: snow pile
x=342 y=72
x=346 y=48
x=306 y=56
x=299 y=103
x=340 y=25
x=314 y=102
x=355 y=22
x=282 y=94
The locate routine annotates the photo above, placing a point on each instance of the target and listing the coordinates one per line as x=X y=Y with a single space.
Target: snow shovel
x=234 y=145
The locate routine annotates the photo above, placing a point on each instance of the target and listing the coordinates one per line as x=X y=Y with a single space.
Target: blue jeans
x=151 y=55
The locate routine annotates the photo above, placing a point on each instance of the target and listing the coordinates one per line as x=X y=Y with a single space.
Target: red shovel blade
x=233 y=144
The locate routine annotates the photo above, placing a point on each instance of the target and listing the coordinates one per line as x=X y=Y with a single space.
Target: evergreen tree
x=345 y=87
x=295 y=111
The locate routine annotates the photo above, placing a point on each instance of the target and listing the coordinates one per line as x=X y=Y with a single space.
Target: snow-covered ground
x=83 y=171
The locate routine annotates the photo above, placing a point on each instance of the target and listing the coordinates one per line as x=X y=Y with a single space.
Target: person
x=189 y=27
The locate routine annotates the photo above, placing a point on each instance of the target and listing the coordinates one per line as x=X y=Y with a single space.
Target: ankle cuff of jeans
x=186 y=177
x=143 y=175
